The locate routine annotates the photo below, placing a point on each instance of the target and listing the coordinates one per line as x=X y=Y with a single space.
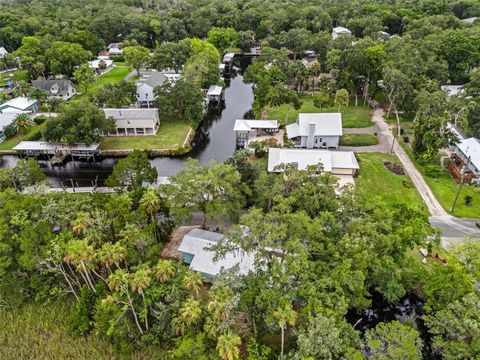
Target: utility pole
x=464 y=170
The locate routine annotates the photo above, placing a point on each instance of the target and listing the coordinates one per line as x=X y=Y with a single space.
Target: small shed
x=215 y=93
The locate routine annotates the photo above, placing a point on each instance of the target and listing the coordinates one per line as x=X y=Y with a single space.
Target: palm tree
x=22 y=88
x=165 y=270
x=139 y=281
x=189 y=314
x=24 y=122
x=193 y=282
x=82 y=222
x=80 y=254
x=110 y=254
x=150 y=201
x=228 y=346
x=285 y=316
x=218 y=305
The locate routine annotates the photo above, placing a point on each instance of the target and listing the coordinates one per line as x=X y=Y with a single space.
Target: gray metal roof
x=48 y=85
x=153 y=79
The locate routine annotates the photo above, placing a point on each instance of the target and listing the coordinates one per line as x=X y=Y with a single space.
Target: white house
x=197 y=253
x=469 y=151
x=60 y=89
x=19 y=104
x=3 y=52
x=114 y=49
x=316 y=130
x=147 y=84
x=470 y=20
x=247 y=129
x=134 y=121
x=339 y=31
x=341 y=164
x=97 y=65
x=5 y=120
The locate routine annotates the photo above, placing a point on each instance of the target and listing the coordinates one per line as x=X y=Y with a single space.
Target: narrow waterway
x=214 y=139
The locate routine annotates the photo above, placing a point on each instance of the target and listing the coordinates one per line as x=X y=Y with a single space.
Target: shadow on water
x=408 y=310
x=214 y=139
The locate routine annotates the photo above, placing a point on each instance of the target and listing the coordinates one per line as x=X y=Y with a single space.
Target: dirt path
x=423 y=189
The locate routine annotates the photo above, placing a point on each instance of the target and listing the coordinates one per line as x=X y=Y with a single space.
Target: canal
x=214 y=139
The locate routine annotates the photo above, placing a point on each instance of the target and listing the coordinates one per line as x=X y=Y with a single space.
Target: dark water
x=214 y=139
x=408 y=310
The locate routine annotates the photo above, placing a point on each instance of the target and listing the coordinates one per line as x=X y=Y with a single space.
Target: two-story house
x=134 y=121
x=147 y=84
x=59 y=89
x=316 y=131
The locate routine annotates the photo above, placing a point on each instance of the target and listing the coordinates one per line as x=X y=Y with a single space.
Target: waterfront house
x=316 y=130
x=134 y=121
x=5 y=120
x=147 y=84
x=341 y=164
x=249 y=129
x=339 y=31
x=58 y=89
x=19 y=104
x=3 y=52
x=197 y=253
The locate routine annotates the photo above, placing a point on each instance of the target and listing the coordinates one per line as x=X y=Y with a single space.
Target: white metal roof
x=132 y=114
x=341 y=30
x=3 y=51
x=247 y=125
x=470 y=20
x=228 y=57
x=326 y=124
x=471 y=148
x=43 y=145
x=7 y=118
x=307 y=157
x=198 y=242
x=21 y=103
x=453 y=90
x=214 y=90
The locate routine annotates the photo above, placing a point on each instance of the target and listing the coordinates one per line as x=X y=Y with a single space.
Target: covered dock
x=57 y=152
x=215 y=94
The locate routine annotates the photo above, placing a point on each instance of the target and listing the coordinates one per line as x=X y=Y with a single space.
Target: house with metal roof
x=101 y=65
x=114 y=49
x=134 y=121
x=197 y=252
x=316 y=130
x=59 y=89
x=19 y=104
x=341 y=164
x=339 y=31
x=147 y=84
x=249 y=129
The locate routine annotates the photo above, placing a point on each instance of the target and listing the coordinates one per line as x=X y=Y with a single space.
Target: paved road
x=384 y=144
x=455 y=230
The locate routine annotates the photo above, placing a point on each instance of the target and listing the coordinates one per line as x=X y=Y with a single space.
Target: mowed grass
x=376 y=180
x=445 y=188
x=18 y=75
x=113 y=76
x=358 y=140
x=352 y=116
x=170 y=135
x=39 y=331
x=33 y=133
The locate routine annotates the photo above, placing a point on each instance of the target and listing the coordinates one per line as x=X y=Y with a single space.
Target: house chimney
x=311 y=135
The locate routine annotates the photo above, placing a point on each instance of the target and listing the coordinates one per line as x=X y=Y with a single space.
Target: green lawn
x=18 y=75
x=113 y=76
x=353 y=117
x=358 y=140
x=170 y=135
x=120 y=63
x=444 y=188
x=375 y=179
x=34 y=133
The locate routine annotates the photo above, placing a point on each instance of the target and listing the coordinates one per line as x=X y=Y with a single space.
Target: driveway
x=384 y=144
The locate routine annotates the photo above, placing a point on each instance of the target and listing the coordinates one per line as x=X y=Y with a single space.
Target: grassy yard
x=18 y=75
x=377 y=180
x=39 y=331
x=444 y=188
x=353 y=117
x=358 y=140
x=34 y=133
x=170 y=135
x=113 y=76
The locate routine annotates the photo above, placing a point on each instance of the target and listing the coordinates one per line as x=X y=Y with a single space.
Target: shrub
x=10 y=130
x=119 y=58
x=40 y=120
x=406 y=139
x=468 y=200
x=80 y=321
